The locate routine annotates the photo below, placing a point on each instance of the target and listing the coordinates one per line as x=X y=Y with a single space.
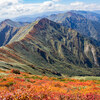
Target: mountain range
x=61 y=44
x=89 y=15
x=79 y=22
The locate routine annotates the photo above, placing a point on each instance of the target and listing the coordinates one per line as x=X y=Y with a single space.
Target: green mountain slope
x=46 y=47
x=79 y=23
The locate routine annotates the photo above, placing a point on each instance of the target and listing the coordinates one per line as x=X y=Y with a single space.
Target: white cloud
x=15 y=8
x=84 y=6
x=56 y=0
x=9 y=1
x=77 y=3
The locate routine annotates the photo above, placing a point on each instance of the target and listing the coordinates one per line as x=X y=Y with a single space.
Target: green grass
x=86 y=77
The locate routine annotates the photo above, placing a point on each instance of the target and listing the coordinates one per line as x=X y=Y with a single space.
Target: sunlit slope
x=49 y=48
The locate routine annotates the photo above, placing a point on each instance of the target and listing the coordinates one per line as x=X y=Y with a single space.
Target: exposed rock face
x=91 y=51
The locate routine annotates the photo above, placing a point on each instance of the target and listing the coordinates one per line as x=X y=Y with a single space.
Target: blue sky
x=16 y=8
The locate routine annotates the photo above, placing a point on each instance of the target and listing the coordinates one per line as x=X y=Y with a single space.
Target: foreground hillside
x=23 y=86
x=45 y=47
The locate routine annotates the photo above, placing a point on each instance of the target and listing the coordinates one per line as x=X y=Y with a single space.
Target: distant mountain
x=89 y=15
x=79 y=23
x=97 y=11
x=13 y=23
x=46 y=47
x=32 y=18
x=8 y=29
x=24 y=19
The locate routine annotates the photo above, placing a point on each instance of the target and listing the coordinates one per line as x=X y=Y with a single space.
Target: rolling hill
x=46 y=47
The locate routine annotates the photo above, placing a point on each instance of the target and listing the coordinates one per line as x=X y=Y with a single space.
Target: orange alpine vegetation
x=23 y=86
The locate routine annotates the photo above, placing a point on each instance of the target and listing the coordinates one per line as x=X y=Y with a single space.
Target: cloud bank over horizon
x=16 y=8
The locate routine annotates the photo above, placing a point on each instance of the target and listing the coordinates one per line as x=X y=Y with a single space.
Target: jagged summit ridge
x=44 y=22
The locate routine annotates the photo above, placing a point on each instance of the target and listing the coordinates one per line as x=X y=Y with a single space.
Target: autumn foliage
x=15 y=71
x=24 y=86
